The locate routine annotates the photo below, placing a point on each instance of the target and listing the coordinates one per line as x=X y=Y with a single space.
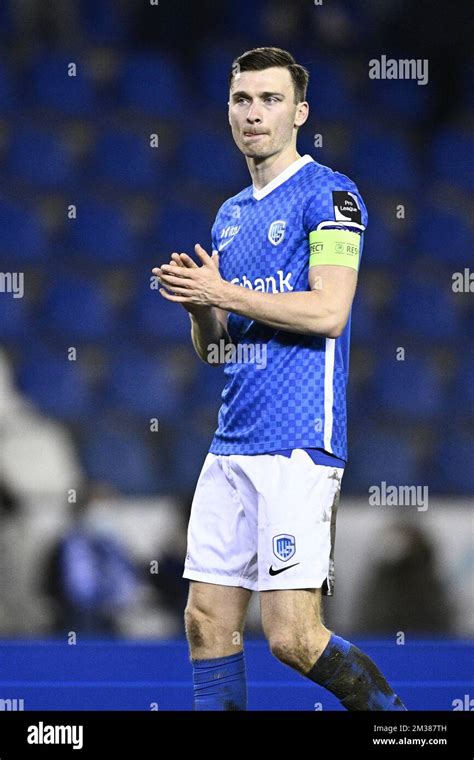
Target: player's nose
x=253 y=115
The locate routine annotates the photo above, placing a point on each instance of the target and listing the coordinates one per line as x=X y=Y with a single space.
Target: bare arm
x=208 y=326
x=323 y=310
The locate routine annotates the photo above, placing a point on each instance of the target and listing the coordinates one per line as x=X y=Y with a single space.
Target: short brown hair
x=266 y=57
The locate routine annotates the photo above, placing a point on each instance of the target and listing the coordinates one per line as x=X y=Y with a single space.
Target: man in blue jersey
x=279 y=287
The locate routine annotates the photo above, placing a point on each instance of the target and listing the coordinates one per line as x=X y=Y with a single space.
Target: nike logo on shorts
x=281 y=570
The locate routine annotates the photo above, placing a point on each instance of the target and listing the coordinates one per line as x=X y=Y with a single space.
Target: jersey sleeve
x=335 y=220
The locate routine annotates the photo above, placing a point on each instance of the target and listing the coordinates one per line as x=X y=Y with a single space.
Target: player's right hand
x=183 y=260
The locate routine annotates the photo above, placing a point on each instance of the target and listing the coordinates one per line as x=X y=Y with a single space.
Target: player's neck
x=264 y=171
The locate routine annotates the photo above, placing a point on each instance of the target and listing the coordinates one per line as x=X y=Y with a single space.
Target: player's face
x=262 y=111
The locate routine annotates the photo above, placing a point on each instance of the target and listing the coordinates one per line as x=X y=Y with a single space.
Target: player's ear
x=302 y=113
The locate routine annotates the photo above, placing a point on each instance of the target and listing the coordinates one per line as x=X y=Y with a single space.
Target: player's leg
x=297 y=636
x=221 y=564
x=215 y=619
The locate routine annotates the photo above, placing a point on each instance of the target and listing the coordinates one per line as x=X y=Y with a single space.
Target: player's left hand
x=200 y=285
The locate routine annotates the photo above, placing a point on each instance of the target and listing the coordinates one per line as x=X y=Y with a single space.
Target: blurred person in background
x=89 y=575
x=404 y=590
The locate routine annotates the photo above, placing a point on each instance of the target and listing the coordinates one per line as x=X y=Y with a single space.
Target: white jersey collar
x=282 y=177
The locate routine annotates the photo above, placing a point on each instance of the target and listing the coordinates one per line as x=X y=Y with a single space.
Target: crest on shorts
x=276 y=232
x=284 y=546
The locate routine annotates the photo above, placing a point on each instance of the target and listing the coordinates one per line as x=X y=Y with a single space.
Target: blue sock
x=221 y=683
x=353 y=677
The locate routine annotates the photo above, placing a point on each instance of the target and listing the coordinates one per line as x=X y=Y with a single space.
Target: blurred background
x=115 y=151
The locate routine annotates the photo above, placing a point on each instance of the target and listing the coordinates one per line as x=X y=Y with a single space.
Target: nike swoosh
x=223 y=245
x=281 y=570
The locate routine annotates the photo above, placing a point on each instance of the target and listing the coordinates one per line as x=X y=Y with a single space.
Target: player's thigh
x=225 y=606
x=292 y=611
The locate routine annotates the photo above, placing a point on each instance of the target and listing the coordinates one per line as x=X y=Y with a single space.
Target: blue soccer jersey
x=296 y=398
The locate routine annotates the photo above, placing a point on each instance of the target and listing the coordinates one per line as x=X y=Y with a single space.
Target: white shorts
x=264 y=522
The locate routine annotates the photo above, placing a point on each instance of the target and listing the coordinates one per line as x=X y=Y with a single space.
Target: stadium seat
x=153 y=317
x=408 y=389
x=451 y=158
x=215 y=65
x=425 y=309
x=7 y=91
x=39 y=158
x=444 y=235
x=152 y=83
x=102 y=23
x=52 y=88
x=376 y=456
x=461 y=397
x=385 y=161
x=22 y=236
x=121 y=459
x=57 y=386
x=126 y=161
x=454 y=464
x=380 y=246
x=76 y=309
x=15 y=323
x=363 y=320
x=400 y=101
x=179 y=227
x=101 y=233
x=329 y=95
x=141 y=383
x=211 y=161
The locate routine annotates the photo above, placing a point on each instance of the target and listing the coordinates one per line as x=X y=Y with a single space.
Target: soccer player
x=279 y=285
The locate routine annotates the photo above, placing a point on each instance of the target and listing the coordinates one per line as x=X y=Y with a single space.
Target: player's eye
x=271 y=99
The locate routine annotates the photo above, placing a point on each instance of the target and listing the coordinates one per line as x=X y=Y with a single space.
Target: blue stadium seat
x=179 y=227
x=52 y=87
x=157 y=319
x=380 y=246
x=215 y=65
x=76 y=309
x=211 y=160
x=363 y=321
x=6 y=26
x=376 y=456
x=143 y=384
x=7 y=92
x=121 y=459
x=462 y=391
x=451 y=158
x=400 y=100
x=101 y=233
x=445 y=235
x=102 y=23
x=22 y=236
x=407 y=389
x=385 y=161
x=425 y=310
x=190 y=449
x=40 y=158
x=56 y=385
x=455 y=473
x=15 y=322
x=126 y=160
x=329 y=95
x=152 y=83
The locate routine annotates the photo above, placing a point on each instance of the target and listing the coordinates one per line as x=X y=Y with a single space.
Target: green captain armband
x=341 y=247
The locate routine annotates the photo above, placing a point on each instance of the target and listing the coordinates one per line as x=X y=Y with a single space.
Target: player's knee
x=289 y=649
x=197 y=626
x=298 y=649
